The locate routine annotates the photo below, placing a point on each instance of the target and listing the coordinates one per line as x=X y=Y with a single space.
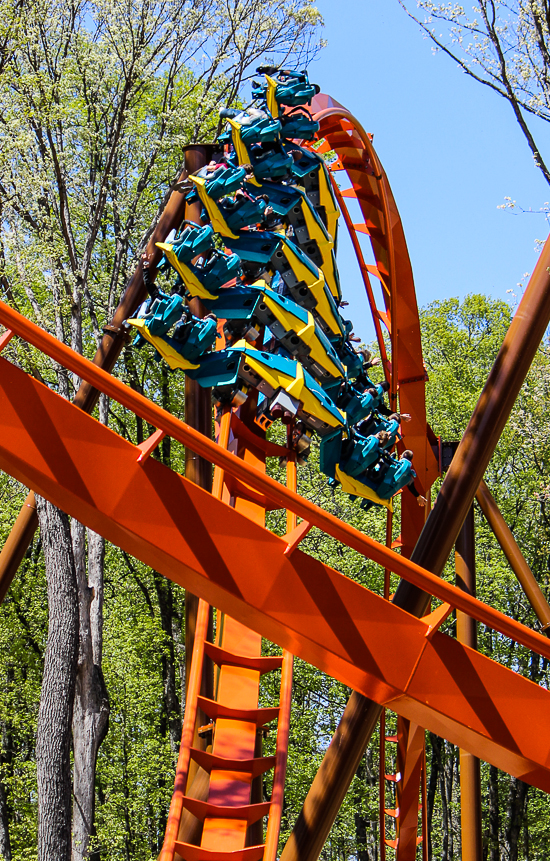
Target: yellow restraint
x=190 y=280
x=219 y=223
x=174 y=359
x=356 y=488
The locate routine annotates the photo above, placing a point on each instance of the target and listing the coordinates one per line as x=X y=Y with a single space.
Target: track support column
x=432 y=551
x=466 y=630
x=198 y=415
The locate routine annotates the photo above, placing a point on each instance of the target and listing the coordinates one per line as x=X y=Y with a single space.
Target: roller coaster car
x=359 y=403
x=229 y=214
x=318 y=189
x=191 y=242
x=237 y=306
x=296 y=330
x=270 y=162
x=385 y=480
x=376 y=423
x=247 y=308
x=303 y=161
x=351 y=359
x=287 y=88
x=359 y=453
x=334 y=449
x=206 y=277
x=306 y=285
x=283 y=382
x=281 y=197
x=242 y=211
x=298 y=124
x=254 y=126
x=256 y=246
x=159 y=314
x=311 y=235
x=192 y=339
x=221 y=180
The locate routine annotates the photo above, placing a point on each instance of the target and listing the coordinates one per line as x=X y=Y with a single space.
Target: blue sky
x=451 y=148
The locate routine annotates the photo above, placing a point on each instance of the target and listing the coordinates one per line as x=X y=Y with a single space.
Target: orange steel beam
x=345 y=134
x=432 y=550
x=466 y=632
x=405 y=372
x=281 y=496
x=296 y=601
x=410 y=754
x=184 y=758
x=513 y=554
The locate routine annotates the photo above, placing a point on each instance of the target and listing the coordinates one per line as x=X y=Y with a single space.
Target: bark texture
x=515 y=815
x=5 y=845
x=6 y=757
x=53 y=742
x=494 y=816
x=91 y=702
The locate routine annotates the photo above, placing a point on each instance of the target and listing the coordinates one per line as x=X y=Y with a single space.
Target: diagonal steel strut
x=432 y=551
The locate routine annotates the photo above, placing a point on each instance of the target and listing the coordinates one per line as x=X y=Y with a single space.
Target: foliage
x=502 y=44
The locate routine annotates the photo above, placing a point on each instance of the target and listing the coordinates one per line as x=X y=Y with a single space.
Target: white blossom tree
x=502 y=44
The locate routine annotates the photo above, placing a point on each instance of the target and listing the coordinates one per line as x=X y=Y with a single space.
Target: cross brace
x=296 y=601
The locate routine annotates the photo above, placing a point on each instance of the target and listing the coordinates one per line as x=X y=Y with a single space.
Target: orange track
x=211 y=544
x=306 y=607
x=398 y=315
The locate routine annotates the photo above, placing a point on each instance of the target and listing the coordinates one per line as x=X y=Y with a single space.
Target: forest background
x=97 y=102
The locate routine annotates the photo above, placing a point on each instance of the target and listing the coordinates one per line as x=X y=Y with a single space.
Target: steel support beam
x=514 y=555
x=432 y=551
x=298 y=602
x=198 y=415
x=466 y=632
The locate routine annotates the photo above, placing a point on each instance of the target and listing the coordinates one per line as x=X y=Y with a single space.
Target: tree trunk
x=515 y=814
x=5 y=845
x=449 y=772
x=171 y=719
x=494 y=815
x=436 y=745
x=6 y=761
x=53 y=741
x=91 y=703
x=362 y=851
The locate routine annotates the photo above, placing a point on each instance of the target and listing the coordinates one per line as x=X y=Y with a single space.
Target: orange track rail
x=341 y=133
x=298 y=602
x=304 y=606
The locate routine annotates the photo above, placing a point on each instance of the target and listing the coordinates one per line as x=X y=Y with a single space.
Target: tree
x=502 y=44
x=97 y=101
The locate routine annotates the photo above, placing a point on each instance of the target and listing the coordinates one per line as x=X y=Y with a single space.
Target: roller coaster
x=253 y=316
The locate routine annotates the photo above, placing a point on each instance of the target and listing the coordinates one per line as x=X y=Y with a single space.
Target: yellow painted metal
x=174 y=359
x=190 y=280
x=306 y=332
x=272 y=104
x=294 y=386
x=243 y=156
x=317 y=287
x=357 y=488
x=317 y=231
x=326 y=198
x=217 y=220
